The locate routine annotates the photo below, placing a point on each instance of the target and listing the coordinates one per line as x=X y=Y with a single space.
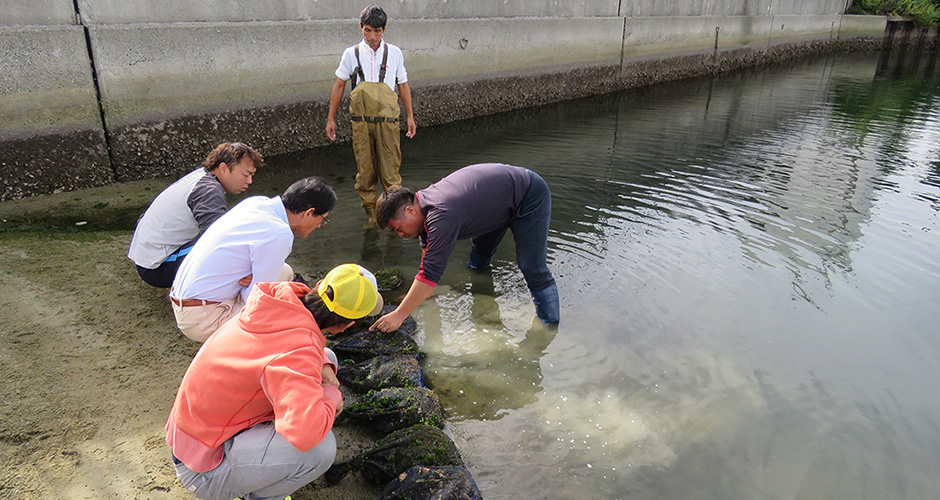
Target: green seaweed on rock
x=399 y=451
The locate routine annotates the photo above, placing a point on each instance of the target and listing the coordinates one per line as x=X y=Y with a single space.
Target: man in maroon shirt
x=479 y=202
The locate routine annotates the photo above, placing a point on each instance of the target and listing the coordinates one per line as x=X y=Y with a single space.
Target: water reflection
x=614 y=436
x=484 y=353
x=747 y=265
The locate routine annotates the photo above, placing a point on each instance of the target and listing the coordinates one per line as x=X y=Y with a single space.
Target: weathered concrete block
x=161 y=71
x=174 y=11
x=454 y=50
x=167 y=102
x=862 y=26
x=662 y=36
x=802 y=7
x=47 y=81
x=731 y=8
x=36 y=12
x=786 y=29
x=659 y=37
x=51 y=136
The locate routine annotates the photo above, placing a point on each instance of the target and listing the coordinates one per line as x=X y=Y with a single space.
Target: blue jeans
x=529 y=226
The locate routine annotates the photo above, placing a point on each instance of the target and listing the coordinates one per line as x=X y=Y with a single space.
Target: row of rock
x=415 y=459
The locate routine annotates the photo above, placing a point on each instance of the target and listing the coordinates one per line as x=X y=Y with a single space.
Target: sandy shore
x=90 y=358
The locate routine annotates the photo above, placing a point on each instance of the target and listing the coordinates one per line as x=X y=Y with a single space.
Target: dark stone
x=388 y=279
x=437 y=483
x=409 y=326
x=388 y=410
x=383 y=372
x=358 y=343
x=399 y=451
x=365 y=344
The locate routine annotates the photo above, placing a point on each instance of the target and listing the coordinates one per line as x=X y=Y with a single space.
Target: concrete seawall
x=98 y=91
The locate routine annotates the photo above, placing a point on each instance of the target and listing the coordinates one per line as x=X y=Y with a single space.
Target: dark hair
x=390 y=204
x=324 y=317
x=230 y=153
x=373 y=16
x=310 y=192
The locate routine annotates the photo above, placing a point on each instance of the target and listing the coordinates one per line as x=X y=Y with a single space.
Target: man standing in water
x=167 y=231
x=376 y=68
x=479 y=202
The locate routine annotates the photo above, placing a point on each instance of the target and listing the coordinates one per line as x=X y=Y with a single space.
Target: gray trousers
x=259 y=464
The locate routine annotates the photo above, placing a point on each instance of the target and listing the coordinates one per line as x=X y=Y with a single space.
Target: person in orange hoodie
x=254 y=412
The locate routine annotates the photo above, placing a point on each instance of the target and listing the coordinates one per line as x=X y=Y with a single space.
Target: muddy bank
x=91 y=358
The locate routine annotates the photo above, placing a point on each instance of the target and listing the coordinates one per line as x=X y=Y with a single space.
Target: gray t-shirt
x=177 y=216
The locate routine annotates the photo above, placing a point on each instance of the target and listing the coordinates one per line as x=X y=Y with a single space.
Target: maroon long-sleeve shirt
x=473 y=201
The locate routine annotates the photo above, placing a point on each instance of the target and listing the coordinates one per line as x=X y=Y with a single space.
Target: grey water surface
x=749 y=272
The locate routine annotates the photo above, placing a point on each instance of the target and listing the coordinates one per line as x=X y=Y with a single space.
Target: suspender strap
x=362 y=77
x=384 y=65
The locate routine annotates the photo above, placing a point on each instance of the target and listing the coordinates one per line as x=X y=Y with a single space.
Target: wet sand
x=90 y=357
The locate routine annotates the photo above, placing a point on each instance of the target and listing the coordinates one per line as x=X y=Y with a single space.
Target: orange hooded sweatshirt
x=265 y=364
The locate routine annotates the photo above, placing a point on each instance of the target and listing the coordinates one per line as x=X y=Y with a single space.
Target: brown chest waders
x=374 y=109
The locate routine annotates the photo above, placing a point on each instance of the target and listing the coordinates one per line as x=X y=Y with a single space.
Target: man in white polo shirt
x=247 y=245
x=377 y=70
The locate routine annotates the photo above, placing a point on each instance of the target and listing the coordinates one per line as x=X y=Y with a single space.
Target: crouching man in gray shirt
x=177 y=216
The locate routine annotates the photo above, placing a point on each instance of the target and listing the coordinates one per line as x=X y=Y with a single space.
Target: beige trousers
x=200 y=322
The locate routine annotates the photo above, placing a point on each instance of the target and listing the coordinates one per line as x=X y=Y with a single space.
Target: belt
x=192 y=302
x=373 y=119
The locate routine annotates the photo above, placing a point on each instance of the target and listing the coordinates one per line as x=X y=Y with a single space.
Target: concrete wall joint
x=96 y=84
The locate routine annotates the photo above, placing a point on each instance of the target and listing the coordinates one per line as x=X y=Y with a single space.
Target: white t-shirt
x=372 y=63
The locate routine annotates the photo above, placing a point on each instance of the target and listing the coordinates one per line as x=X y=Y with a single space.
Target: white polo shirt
x=254 y=237
x=372 y=63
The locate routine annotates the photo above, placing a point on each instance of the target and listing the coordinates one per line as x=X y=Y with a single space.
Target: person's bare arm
x=392 y=321
x=336 y=96
x=329 y=378
x=404 y=91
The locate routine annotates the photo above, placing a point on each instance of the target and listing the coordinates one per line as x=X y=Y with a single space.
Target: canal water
x=749 y=272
